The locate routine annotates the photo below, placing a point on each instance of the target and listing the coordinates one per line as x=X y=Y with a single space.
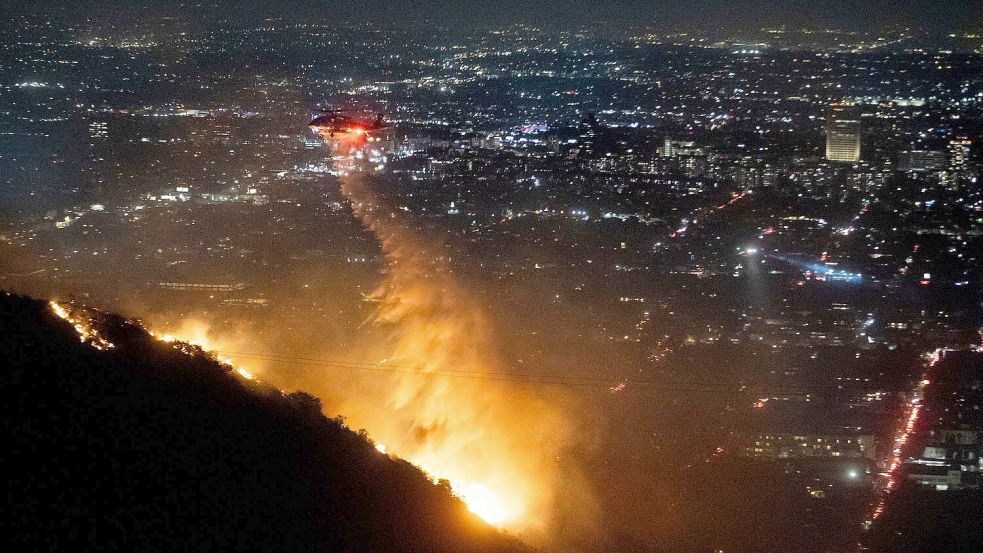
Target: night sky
x=938 y=16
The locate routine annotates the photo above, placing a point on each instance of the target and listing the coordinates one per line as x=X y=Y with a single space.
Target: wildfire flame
x=87 y=332
x=484 y=503
x=490 y=506
x=473 y=433
x=497 y=445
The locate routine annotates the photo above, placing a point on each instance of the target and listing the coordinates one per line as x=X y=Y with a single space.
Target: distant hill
x=145 y=448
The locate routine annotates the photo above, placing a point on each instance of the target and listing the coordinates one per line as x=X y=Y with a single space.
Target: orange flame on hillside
x=495 y=444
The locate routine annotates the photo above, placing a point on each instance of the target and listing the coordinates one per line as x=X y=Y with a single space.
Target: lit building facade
x=843 y=133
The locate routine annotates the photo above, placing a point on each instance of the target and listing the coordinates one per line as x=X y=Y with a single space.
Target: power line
x=417 y=368
x=396 y=369
x=520 y=378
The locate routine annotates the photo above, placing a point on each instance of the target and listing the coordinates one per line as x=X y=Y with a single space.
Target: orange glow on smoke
x=86 y=330
x=198 y=333
x=496 y=444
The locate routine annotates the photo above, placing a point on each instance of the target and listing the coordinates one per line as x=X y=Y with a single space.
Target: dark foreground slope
x=145 y=448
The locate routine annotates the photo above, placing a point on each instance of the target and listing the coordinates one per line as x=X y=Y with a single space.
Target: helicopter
x=332 y=122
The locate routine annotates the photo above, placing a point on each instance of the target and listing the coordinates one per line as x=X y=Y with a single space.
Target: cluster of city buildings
x=801 y=210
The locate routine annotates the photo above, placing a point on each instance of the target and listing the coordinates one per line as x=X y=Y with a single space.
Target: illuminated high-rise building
x=959 y=152
x=922 y=161
x=589 y=135
x=960 y=164
x=843 y=133
x=99 y=129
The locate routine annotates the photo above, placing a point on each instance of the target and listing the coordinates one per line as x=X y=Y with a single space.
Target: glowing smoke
x=198 y=331
x=497 y=444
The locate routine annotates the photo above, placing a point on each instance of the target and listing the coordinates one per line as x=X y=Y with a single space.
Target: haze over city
x=504 y=276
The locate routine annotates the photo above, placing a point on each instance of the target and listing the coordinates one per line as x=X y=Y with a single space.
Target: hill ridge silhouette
x=145 y=448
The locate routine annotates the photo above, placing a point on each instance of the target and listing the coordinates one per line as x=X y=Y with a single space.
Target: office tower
x=843 y=133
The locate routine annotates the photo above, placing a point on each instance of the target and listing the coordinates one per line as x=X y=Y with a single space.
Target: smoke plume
x=496 y=443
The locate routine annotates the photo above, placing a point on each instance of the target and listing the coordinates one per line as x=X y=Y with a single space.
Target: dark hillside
x=145 y=448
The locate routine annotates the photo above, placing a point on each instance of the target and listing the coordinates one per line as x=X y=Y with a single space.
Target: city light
x=588 y=268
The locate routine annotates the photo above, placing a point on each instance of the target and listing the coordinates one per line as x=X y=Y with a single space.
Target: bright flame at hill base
x=479 y=499
x=484 y=503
